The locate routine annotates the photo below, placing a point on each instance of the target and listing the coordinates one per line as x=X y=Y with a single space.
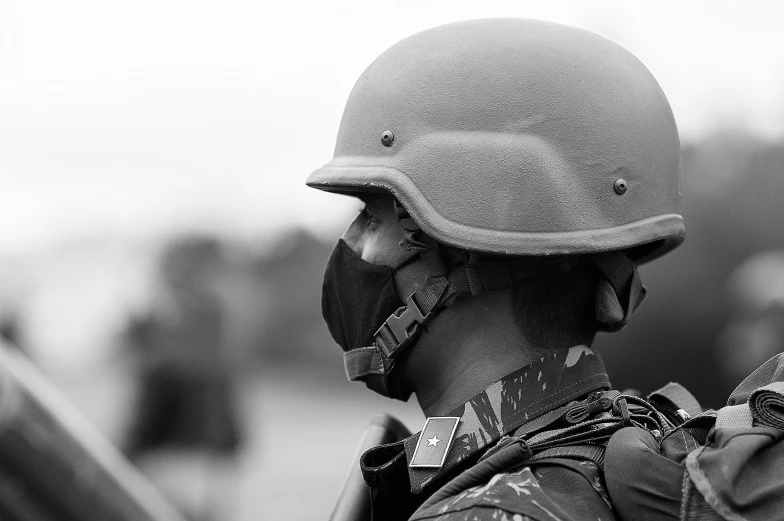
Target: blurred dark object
x=54 y=465
x=185 y=397
x=185 y=409
x=9 y=329
x=353 y=502
x=755 y=332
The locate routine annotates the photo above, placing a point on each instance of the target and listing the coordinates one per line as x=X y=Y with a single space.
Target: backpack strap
x=594 y=453
x=675 y=402
x=734 y=417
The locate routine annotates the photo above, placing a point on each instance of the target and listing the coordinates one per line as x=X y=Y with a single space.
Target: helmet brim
x=643 y=240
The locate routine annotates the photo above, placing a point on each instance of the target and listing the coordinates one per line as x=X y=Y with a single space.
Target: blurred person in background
x=514 y=174
x=755 y=331
x=185 y=414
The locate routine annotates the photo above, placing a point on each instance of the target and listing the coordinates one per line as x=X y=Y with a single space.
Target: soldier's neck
x=472 y=344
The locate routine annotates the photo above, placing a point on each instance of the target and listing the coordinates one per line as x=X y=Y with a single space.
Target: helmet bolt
x=387 y=138
x=620 y=186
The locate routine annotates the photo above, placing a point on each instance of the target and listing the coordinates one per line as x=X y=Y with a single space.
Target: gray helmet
x=516 y=137
x=511 y=138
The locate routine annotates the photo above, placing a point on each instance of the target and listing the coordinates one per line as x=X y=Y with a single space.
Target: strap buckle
x=404 y=325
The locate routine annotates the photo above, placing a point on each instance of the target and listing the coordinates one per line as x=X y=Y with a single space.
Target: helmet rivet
x=620 y=186
x=387 y=138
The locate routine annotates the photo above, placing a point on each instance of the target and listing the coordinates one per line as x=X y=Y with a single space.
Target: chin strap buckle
x=398 y=331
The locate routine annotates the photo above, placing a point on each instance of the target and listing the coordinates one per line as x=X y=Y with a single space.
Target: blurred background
x=157 y=240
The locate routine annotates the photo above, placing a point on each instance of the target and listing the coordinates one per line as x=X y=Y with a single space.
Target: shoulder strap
x=594 y=453
x=675 y=401
x=734 y=417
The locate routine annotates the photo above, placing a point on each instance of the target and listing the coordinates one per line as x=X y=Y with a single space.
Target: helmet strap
x=415 y=239
x=400 y=330
x=619 y=291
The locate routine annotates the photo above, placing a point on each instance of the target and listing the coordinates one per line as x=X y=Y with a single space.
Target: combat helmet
x=515 y=139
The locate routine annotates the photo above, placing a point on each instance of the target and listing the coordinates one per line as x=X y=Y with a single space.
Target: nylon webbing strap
x=415 y=239
x=678 y=398
x=362 y=362
x=432 y=257
x=734 y=417
x=595 y=430
x=479 y=277
x=431 y=295
x=545 y=420
x=593 y=453
x=620 y=290
x=399 y=329
x=473 y=278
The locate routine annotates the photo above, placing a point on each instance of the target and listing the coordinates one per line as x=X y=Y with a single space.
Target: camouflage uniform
x=551 y=488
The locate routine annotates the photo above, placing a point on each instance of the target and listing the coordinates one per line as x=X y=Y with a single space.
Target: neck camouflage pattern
x=512 y=401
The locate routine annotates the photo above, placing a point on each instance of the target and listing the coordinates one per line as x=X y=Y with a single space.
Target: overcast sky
x=146 y=117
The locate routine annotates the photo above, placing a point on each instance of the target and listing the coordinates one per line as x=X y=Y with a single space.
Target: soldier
x=515 y=174
x=185 y=412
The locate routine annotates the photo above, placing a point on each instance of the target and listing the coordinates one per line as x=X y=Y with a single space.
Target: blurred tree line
x=733 y=185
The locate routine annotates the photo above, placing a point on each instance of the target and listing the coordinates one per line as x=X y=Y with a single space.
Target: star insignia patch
x=438 y=433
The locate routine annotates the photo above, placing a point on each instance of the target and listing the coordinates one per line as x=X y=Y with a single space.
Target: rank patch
x=434 y=442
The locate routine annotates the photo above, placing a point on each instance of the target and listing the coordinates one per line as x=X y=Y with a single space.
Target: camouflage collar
x=515 y=399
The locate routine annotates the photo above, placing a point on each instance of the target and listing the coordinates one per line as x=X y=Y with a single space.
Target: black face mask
x=356 y=298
